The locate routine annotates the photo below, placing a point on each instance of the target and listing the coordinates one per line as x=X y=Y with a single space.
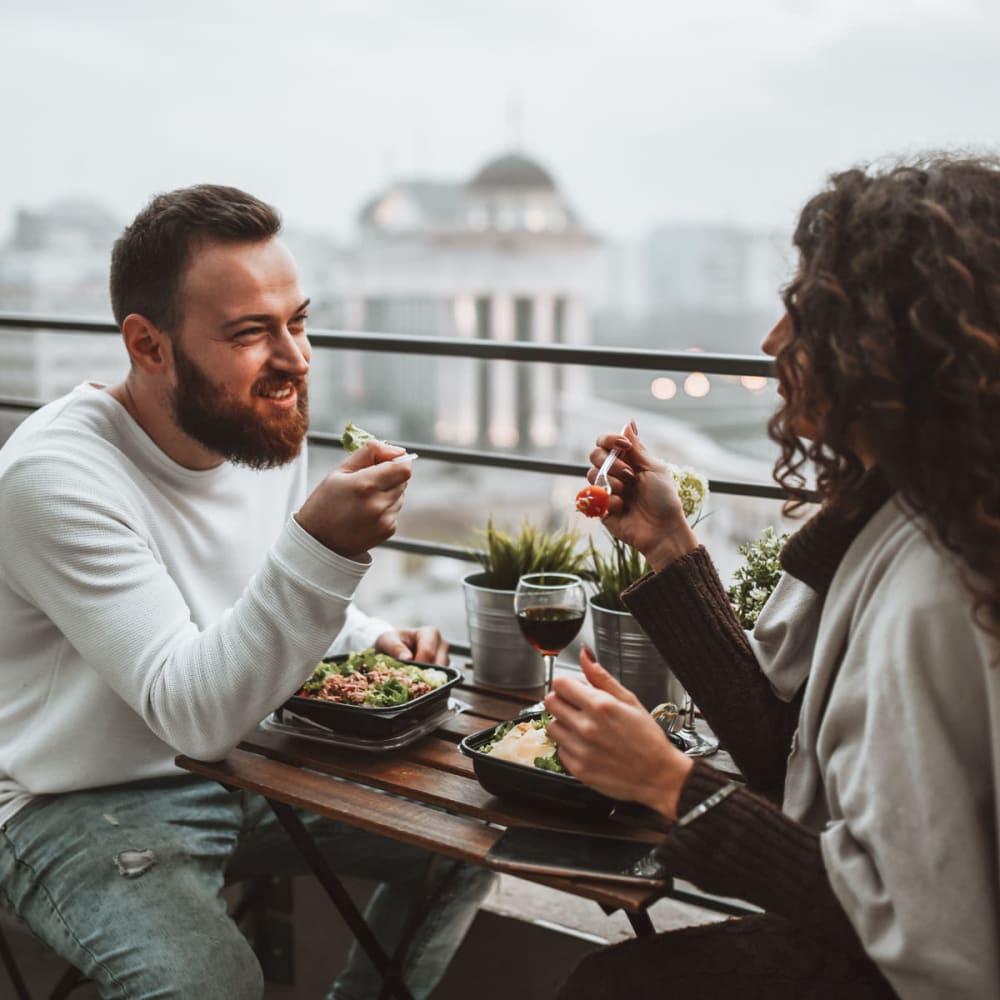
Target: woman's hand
x=644 y=510
x=610 y=742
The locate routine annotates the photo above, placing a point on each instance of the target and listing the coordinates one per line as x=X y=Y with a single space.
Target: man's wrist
x=361 y=556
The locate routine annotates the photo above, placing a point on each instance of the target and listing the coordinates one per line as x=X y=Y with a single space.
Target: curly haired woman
x=864 y=710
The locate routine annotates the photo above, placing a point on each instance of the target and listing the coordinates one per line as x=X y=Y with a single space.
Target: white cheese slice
x=523 y=744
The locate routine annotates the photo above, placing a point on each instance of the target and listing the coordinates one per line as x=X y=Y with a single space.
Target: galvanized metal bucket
x=628 y=654
x=501 y=656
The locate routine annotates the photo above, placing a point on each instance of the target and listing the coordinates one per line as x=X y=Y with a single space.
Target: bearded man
x=165 y=583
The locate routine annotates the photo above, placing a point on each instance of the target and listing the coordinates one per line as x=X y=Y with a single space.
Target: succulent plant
x=507 y=557
x=614 y=572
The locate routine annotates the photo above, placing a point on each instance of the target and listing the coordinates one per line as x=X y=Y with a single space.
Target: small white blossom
x=757 y=577
x=692 y=488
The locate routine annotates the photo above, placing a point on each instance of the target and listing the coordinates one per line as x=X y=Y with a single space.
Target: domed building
x=501 y=256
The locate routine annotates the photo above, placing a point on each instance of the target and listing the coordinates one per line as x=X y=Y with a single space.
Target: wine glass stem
x=688 y=712
x=550 y=662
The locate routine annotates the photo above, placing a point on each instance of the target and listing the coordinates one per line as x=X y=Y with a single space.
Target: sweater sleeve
x=81 y=558
x=685 y=611
x=746 y=847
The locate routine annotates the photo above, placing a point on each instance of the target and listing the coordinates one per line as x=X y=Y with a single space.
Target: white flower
x=692 y=488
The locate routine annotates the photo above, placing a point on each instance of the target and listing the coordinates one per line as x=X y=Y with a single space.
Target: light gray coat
x=899 y=772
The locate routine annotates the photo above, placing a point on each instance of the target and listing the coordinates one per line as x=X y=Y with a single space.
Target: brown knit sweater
x=746 y=846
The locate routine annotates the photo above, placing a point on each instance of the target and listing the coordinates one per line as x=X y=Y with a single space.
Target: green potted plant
x=622 y=647
x=501 y=656
x=757 y=576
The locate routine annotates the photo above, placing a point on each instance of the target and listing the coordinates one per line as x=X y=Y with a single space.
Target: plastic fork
x=601 y=480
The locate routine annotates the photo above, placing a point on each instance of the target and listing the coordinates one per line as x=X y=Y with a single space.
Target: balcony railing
x=593 y=357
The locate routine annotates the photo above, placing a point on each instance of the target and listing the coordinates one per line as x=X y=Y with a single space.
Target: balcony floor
x=524 y=942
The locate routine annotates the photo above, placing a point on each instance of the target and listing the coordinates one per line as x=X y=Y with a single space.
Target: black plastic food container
x=527 y=783
x=367 y=721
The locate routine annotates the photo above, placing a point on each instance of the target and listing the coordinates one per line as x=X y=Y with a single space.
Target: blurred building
x=714 y=267
x=56 y=262
x=500 y=256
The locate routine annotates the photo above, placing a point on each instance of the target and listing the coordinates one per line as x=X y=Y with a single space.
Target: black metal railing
x=383 y=343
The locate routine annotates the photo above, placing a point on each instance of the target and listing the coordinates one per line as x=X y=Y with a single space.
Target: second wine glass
x=550 y=609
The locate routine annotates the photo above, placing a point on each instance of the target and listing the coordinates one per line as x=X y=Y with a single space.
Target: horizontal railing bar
x=423 y=548
x=486 y=459
x=563 y=354
x=18 y=403
x=62 y=324
x=498 y=350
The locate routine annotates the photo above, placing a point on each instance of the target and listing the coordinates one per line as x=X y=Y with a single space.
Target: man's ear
x=147 y=345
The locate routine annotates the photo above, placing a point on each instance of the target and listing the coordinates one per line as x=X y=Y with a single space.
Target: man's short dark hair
x=151 y=255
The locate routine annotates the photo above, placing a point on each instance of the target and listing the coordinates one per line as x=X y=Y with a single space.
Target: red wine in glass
x=550 y=629
x=550 y=608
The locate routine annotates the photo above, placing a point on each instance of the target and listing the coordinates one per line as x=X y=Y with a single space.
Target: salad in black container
x=371 y=695
x=517 y=760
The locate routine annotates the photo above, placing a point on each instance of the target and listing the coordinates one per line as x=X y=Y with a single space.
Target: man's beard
x=209 y=413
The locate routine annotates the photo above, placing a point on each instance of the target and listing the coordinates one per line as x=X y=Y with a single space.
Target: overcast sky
x=644 y=110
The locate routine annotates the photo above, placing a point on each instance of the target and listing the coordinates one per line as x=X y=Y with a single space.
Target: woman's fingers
x=600 y=678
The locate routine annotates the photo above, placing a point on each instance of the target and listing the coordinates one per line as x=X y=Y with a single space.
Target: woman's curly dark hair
x=895 y=317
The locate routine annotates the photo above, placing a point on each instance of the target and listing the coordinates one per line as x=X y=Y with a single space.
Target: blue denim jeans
x=125 y=883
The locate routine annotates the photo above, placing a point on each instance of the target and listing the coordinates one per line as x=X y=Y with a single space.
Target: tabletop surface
x=348 y=785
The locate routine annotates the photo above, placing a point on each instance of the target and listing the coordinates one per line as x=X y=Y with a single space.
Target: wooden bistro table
x=436 y=804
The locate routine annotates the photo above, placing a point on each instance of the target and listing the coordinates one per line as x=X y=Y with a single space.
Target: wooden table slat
x=398 y=773
x=403 y=820
x=446 y=833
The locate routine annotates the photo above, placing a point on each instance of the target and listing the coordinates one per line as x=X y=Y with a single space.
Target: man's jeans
x=75 y=868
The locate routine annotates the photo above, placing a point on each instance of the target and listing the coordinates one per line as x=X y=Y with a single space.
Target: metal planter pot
x=501 y=656
x=628 y=654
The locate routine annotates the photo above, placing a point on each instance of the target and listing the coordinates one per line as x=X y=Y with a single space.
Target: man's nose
x=291 y=353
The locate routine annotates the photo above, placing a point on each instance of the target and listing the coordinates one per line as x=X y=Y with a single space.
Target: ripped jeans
x=75 y=869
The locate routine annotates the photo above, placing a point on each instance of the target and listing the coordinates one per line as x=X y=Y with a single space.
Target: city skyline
x=725 y=113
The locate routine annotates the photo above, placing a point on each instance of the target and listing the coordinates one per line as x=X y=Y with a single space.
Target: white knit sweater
x=147 y=609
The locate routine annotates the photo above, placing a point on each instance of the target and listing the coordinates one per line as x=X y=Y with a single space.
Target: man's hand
x=610 y=742
x=425 y=645
x=356 y=506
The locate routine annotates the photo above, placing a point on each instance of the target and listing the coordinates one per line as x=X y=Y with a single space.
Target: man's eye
x=251 y=331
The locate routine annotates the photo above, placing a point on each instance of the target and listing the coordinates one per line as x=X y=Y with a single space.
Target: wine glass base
x=696 y=745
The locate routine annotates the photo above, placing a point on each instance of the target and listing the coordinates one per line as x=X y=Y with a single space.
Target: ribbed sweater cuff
x=314 y=564
x=686 y=612
x=746 y=847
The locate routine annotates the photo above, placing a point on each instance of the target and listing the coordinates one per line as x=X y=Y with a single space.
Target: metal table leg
x=642 y=926
x=393 y=984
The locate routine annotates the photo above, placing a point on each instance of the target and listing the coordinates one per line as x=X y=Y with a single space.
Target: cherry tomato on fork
x=592 y=501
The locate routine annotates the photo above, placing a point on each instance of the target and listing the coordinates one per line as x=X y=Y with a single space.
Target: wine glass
x=550 y=608
x=679 y=725
x=696 y=745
